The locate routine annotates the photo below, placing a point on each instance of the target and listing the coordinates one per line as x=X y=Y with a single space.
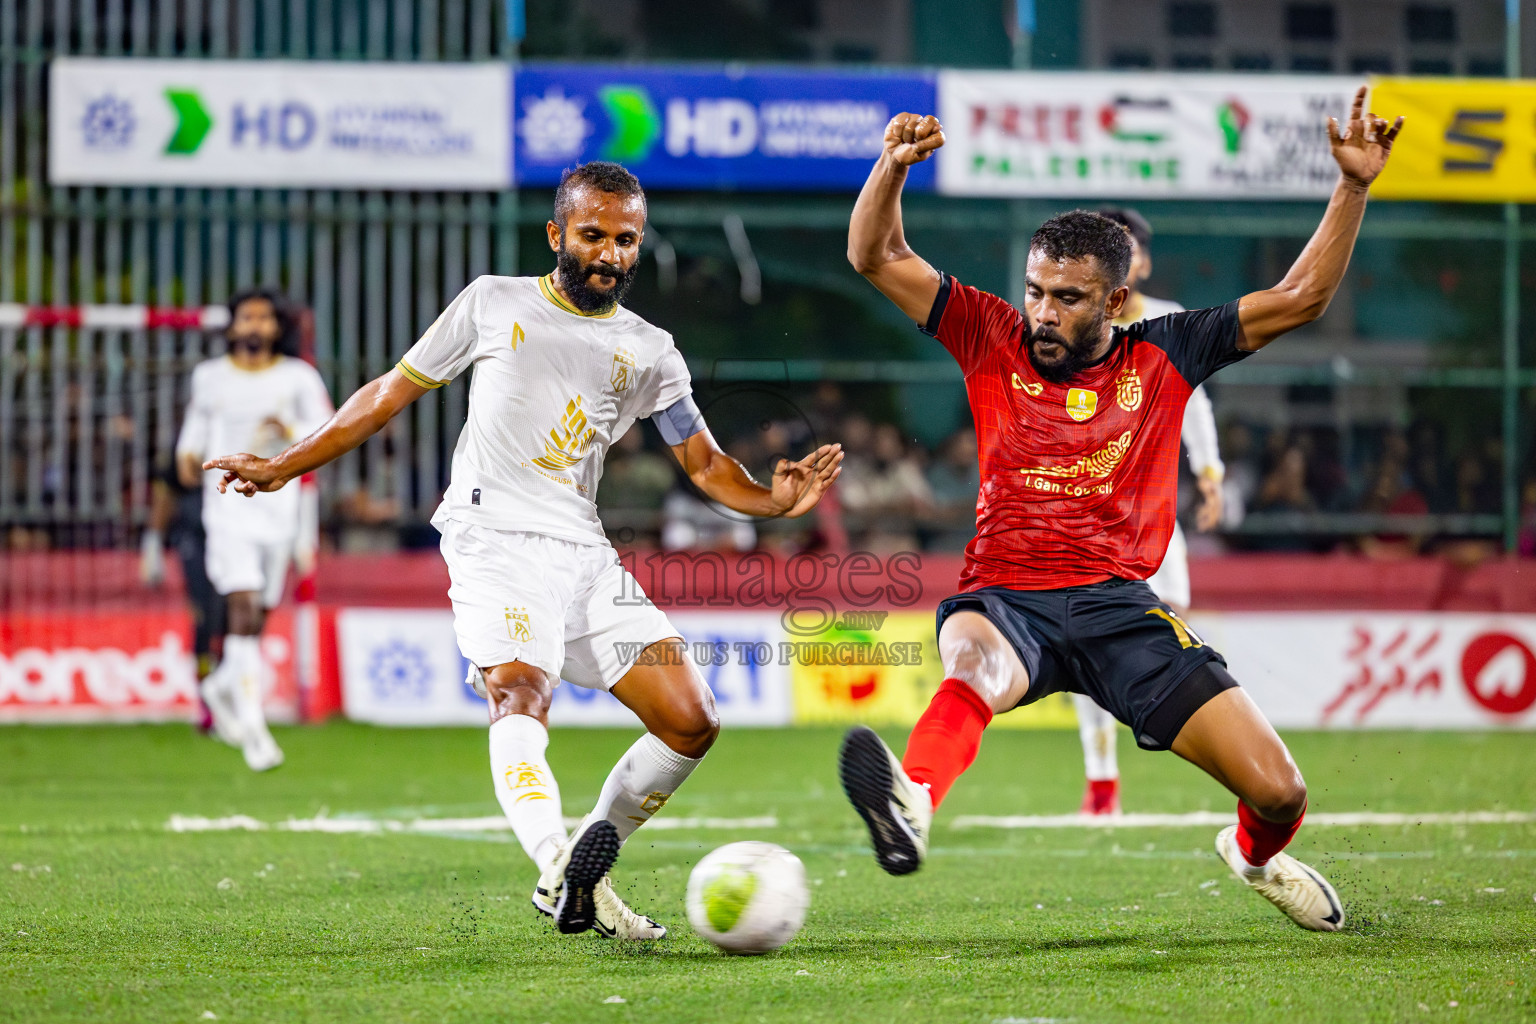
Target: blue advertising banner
x=756 y=130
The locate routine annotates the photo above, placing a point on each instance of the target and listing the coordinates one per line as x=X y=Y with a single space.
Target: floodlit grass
x=105 y=915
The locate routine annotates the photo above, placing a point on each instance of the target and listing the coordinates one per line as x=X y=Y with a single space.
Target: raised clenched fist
x=912 y=138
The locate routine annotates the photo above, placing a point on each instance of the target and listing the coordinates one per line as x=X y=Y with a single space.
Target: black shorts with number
x=1114 y=641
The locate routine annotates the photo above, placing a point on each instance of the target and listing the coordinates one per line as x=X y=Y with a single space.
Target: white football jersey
x=257 y=411
x=553 y=388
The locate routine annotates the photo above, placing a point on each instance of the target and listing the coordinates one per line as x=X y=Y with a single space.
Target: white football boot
x=898 y=811
x=223 y=709
x=1302 y=894
x=567 y=890
x=613 y=919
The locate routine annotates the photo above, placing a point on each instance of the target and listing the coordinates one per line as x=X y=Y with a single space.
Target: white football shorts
x=1171 y=581
x=236 y=563
x=569 y=609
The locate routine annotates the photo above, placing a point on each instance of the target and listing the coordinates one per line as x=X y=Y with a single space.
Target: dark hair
x=1133 y=222
x=287 y=316
x=602 y=175
x=1079 y=234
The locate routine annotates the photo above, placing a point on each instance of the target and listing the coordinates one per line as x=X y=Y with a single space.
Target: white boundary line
x=497 y=823
x=1200 y=818
x=428 y=826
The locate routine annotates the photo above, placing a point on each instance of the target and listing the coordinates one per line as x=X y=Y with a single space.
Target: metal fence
x=85 y=413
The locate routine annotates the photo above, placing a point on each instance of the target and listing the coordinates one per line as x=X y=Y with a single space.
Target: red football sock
x=1260 y=840
x=946 y=738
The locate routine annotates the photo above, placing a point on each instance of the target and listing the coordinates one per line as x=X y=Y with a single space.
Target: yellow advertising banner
x=1464 y=140
x=885 y=675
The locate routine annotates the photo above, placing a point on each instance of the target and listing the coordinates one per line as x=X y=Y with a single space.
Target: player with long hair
x=1077 y=425
x=261 y=397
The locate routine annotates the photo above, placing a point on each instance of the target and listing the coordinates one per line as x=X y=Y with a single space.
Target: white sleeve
x=195 y=428
x=445 y=350
x=1200 y=435
x=670 y=382
x=314 y=402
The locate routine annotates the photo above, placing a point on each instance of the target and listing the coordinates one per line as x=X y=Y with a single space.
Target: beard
x=575 y=279
x=250 y=343
x=1077 y=352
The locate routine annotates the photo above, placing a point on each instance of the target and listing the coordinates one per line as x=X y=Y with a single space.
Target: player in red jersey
x=1077 y=424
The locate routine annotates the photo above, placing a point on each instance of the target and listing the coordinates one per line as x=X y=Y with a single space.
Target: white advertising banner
x=403 y=667
x=1387 y=670
x=1138 y=135
x=279 y=124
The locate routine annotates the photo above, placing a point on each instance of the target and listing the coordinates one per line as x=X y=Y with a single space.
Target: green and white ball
x=748 y=897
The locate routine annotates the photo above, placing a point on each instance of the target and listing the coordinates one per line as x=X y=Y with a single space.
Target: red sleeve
x=970 y=322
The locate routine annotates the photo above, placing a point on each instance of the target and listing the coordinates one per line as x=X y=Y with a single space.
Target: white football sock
x=1096 y=727
x=643 y=780
x=525 y=787
x=246 y=682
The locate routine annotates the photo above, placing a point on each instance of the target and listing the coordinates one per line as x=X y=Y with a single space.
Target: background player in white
x=562 y=370
x=259 y=399
x=1096 y=727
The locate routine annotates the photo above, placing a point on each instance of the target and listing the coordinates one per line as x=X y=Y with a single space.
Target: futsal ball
x=748 y=897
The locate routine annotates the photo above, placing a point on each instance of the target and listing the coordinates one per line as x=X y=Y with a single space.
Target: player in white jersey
x=259 y=399
x=562 y=370
x=1096 y=727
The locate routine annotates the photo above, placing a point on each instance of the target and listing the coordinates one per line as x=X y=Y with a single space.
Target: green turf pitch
x=105 y=915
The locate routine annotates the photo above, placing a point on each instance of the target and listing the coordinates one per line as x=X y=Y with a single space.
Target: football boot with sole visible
x=1302 y=894
x=898 y=811
x=613 y=919
x=567 y=890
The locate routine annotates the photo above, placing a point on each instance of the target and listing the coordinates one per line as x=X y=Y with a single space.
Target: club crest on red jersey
x=1082 y=403
x=1128 y=390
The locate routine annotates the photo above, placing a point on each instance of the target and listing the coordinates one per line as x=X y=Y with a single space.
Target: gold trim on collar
x=547 y=286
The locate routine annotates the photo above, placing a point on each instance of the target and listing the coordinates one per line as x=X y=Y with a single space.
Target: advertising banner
x=1343 y=670
x=403 y=667
x=120 y=666
x=763 y=130
x=1147 y=135
x=279 y=124
x=885 y=674
x=1464 y=140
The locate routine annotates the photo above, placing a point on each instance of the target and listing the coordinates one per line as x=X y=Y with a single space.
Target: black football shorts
x=1114 y=641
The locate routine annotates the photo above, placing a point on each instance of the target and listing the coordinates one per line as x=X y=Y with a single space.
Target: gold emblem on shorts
x=1128 y=390
x=623 y=370
x=517 y=625
x=1081 y=403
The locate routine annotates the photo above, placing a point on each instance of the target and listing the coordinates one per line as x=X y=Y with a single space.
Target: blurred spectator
x=954 y=480
x=690 y=522
x=634 y=490
x=1285 y=486
x=886 y=493
x=1390 y=491
x=1240 y=488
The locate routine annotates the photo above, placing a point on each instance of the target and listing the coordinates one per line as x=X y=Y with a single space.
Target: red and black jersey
x=1078 y=480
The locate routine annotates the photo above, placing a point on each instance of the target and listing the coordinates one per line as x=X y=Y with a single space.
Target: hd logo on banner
x=279 y=124
x=1153 y=135
x=760 y=130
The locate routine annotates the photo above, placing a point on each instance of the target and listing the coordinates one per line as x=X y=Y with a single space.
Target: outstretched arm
x=877 y=247
x=364 y=414
x=1361 y=149
x=796 y=488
